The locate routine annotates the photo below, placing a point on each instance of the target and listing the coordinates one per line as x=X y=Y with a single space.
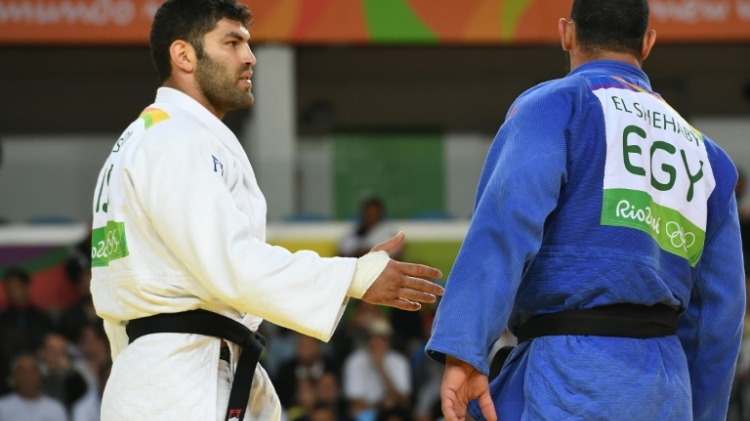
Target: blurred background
x=371 y=116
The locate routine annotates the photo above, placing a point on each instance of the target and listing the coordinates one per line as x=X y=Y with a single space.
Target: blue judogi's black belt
x=201 y=322
x=618 y=320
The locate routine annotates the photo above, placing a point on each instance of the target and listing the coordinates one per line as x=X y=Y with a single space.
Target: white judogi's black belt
x=618 y=320
x=201 y=322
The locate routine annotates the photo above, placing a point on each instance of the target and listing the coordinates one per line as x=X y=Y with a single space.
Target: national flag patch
x=151 y=116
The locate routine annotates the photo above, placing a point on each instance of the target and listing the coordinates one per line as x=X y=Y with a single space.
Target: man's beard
x=219 y=86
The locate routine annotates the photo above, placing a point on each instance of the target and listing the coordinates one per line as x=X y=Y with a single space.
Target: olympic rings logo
x=679 y=238
x=113 y=244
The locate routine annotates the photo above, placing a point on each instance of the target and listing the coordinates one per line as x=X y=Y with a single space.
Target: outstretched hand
x=400 y=284
x=461 y=384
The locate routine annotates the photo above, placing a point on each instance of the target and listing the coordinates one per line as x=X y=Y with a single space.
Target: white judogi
x=179 y=224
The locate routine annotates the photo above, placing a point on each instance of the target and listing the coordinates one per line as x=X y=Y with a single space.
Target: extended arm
x=195 y=216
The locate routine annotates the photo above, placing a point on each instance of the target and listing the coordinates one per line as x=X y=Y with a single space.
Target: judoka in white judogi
x=179 y=224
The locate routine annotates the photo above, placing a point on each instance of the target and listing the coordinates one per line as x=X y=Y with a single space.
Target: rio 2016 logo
x=109 y=246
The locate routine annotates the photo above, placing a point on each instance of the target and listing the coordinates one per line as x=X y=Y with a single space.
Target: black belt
x=618 y=320
x=201 y=322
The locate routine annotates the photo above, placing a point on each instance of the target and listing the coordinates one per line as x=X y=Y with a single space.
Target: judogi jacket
x=180 y=224
x=596 y=192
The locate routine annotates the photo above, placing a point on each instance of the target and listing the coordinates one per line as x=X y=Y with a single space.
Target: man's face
x=323 y=414
x=308 y=349
x=26 y=377
x=17 y=291
x=54 y=352
x=379 y=344
x=223 y=73
x=373 y=214
x=328 y=388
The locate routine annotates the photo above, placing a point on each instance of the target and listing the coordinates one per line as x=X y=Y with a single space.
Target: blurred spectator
x=60 y=380
x=744 y=214
x=89 y=407
x=394 y=414
x=323 y=412
x=739 y=399
x=371 y=231
x=428 y=376
x=362 y=318
x=27 y=403
x=308 y=363
x=94 y=349
x=282 y=346
x=82 y=313
x=377 y=377
x=305 y=400
x=408 y=331
x=22 y=326
x=328 y=391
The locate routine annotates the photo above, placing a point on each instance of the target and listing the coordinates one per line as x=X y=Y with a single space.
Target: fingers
x=396 y=288
x=404 y=304
x=450 y=413
x=416 y=295
x=487 y=407
x=422 y=286
x=391 y=245
x=421 y=271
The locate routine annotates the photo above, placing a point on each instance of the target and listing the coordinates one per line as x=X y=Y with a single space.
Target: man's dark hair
x=17 y=272
x=189 y=20
x=610 y=25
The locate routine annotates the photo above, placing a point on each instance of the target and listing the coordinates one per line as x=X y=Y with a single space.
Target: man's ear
x=566 y=30
x=183 y=56
x=648 y=43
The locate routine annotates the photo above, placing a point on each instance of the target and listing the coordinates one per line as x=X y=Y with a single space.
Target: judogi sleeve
x=519 y=187
x=193 y=212
x=711 y=327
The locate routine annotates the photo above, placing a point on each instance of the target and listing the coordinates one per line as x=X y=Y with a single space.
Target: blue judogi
x=558 y=226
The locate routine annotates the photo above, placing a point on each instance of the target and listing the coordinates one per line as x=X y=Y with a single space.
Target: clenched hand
x=399 y=285
x=461 y=384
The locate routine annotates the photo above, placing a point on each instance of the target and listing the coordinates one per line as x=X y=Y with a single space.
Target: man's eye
x=233 y=43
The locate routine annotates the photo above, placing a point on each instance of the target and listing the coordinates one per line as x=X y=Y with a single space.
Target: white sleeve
x=195 y=215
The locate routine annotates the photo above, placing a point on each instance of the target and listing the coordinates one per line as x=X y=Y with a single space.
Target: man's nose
x=249 y=57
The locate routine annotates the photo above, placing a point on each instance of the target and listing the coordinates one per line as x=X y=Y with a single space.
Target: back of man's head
x=189 y=20
x=610 y=25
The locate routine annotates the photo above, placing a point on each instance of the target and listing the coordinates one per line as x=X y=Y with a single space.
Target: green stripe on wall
x=405 y=170
x=511 y=13
x=438 y=254
x=394 y=21
x=44 y=262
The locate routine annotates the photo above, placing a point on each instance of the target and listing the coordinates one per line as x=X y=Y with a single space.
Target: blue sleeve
x=711 y=327
x=519 y=187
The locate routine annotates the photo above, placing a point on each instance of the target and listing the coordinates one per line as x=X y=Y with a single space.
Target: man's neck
x=196 y=94
x=579 y=58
